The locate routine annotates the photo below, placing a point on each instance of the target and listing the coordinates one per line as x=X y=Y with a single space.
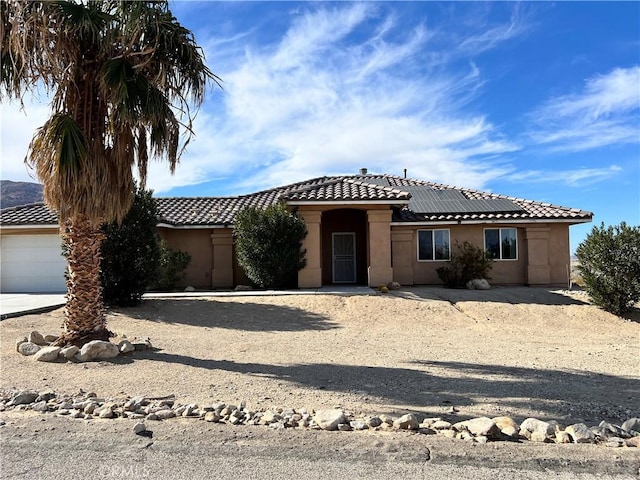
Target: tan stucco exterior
x=390 y=250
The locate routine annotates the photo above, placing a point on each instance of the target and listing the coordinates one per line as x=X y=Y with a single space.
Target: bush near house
x=172 y=267
x=467 y=263
x=269 y=245
x=130 y=252
x=610 y=266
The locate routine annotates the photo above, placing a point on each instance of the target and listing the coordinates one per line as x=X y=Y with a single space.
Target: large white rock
x=407 y=422
x=69 y=352
x=580 y=433
x=329 y=419
x=482 y=426
x=47 y=354
x=97 y=350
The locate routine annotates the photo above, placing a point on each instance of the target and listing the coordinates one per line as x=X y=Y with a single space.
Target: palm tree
x=125 y=78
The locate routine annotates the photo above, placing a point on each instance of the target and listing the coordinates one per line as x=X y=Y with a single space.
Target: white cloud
x=344 y=88
x=605 y=112
x=573 y=178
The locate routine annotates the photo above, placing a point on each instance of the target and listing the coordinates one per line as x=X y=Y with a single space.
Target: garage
x=31 y=264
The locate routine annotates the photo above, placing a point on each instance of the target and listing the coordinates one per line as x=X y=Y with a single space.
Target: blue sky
x=536 y=100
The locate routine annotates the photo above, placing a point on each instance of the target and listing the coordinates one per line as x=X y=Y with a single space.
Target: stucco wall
x=555 y=243
x=196 y=243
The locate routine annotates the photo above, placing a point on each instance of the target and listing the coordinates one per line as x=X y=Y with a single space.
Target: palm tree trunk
x=85 y=318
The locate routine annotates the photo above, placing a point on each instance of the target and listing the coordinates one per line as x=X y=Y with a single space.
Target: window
x=501 y=243
x=433 y=245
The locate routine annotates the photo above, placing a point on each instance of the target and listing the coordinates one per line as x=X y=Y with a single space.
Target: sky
x=538 y=100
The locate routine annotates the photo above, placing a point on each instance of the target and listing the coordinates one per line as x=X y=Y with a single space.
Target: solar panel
x=425 y=199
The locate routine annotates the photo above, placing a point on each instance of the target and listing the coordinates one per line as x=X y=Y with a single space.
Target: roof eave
x=348 y=202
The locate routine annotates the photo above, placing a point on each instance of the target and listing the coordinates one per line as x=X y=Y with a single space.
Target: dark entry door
x=344 y=257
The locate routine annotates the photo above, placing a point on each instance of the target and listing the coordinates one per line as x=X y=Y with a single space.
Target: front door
x=344 y=257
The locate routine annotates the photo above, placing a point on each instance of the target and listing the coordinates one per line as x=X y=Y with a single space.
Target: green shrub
x=130 y=253
x=610 y=266
x=268 y=245
x=172 y=267
x=467 y=263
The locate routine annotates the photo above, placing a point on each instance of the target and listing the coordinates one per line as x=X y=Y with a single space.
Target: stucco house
x=363 y=229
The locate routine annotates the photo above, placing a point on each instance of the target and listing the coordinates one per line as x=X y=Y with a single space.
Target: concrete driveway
x=16 y=304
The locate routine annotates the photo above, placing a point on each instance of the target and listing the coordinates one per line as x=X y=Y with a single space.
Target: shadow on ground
x=554 y=393
x=508 y=295
x=250 y=316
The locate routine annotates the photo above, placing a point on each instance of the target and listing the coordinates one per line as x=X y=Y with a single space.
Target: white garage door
x=31 y=263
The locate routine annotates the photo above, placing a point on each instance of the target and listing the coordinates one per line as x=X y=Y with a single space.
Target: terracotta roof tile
x=221 y=211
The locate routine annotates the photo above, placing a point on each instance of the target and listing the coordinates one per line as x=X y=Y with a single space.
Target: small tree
x=130 y=252
x=171 y=267
x=610 y=266
x=468 y=263
x=269 y=245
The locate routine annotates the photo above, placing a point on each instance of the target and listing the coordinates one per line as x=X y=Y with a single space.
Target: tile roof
x=413 y=200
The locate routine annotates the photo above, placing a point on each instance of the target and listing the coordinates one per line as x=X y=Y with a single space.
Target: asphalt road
x=37 y=447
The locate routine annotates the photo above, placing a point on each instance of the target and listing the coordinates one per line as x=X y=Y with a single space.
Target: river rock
x=211 y=417
x=139 y=428
x=441 y=425
x=407 y=422
x=40 y=406
x=478 y=284
x=28 y=348
x=580 y=433
x=125 y=346
x=97 y=350
x=35 y=337
x=20 y=341
x=507 y=426
x=165 y=414
x=531 y=425
x=69 y=352
x=47 y=354
x=374 y=422
x=634 y=442
x=50 y=338
x=329 y=419
x=482 y=426
x=563 y=437
x=23 y=398
x=631 y=425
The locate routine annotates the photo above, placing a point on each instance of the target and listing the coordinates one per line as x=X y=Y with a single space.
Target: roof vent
x=363 y=171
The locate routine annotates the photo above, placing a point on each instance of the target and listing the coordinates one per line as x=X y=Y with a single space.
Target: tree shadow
x=509 y=295
x=431 y=385
x=248 y=316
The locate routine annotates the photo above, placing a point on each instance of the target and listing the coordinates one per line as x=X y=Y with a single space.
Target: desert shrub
x=172 y=267
x=269 y=245
x=468 y=262
x=610 y=266
x=130 y=252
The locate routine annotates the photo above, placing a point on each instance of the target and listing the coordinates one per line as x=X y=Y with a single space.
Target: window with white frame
x=433 y=245
x=501 y=243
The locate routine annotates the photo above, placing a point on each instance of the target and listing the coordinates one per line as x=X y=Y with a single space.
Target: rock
x=50 y=338
x=394 y=286
x=478 y=284
x=531 y=425
x=563 y=437
x=69 y=352
x=633 y=442
x=189 y=289
x=40 y=406
x=139 y=428
x=507 y=426
x=441 y=425
x=243 y=288
x=329 y=419
x=45 y=396
x=540 y=436
x=611 y=430
x=23 y=398
x=35 y=337
x=386 y=419
x=344 y=427
x=580 y=433
x=374 y=422
x=97 y=350
x=482 y=426
x=142 y=344
x=28 y=348
x=211 y=417
x=47 y=354
x=358 y=425
x=165 y=414
x=631 y=425
x=20 y=341
x=152 y=416
x=615 y=442
x=125 y=346
x=407 y=422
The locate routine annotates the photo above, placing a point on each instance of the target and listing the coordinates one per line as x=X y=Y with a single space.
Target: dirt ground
x=514 y=351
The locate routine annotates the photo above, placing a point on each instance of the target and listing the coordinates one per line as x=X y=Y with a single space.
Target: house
x=363 y=229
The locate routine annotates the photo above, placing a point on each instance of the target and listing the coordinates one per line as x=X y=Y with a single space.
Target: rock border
x=89 y=406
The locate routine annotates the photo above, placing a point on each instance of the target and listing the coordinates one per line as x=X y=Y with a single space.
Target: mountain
x=19 y=193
